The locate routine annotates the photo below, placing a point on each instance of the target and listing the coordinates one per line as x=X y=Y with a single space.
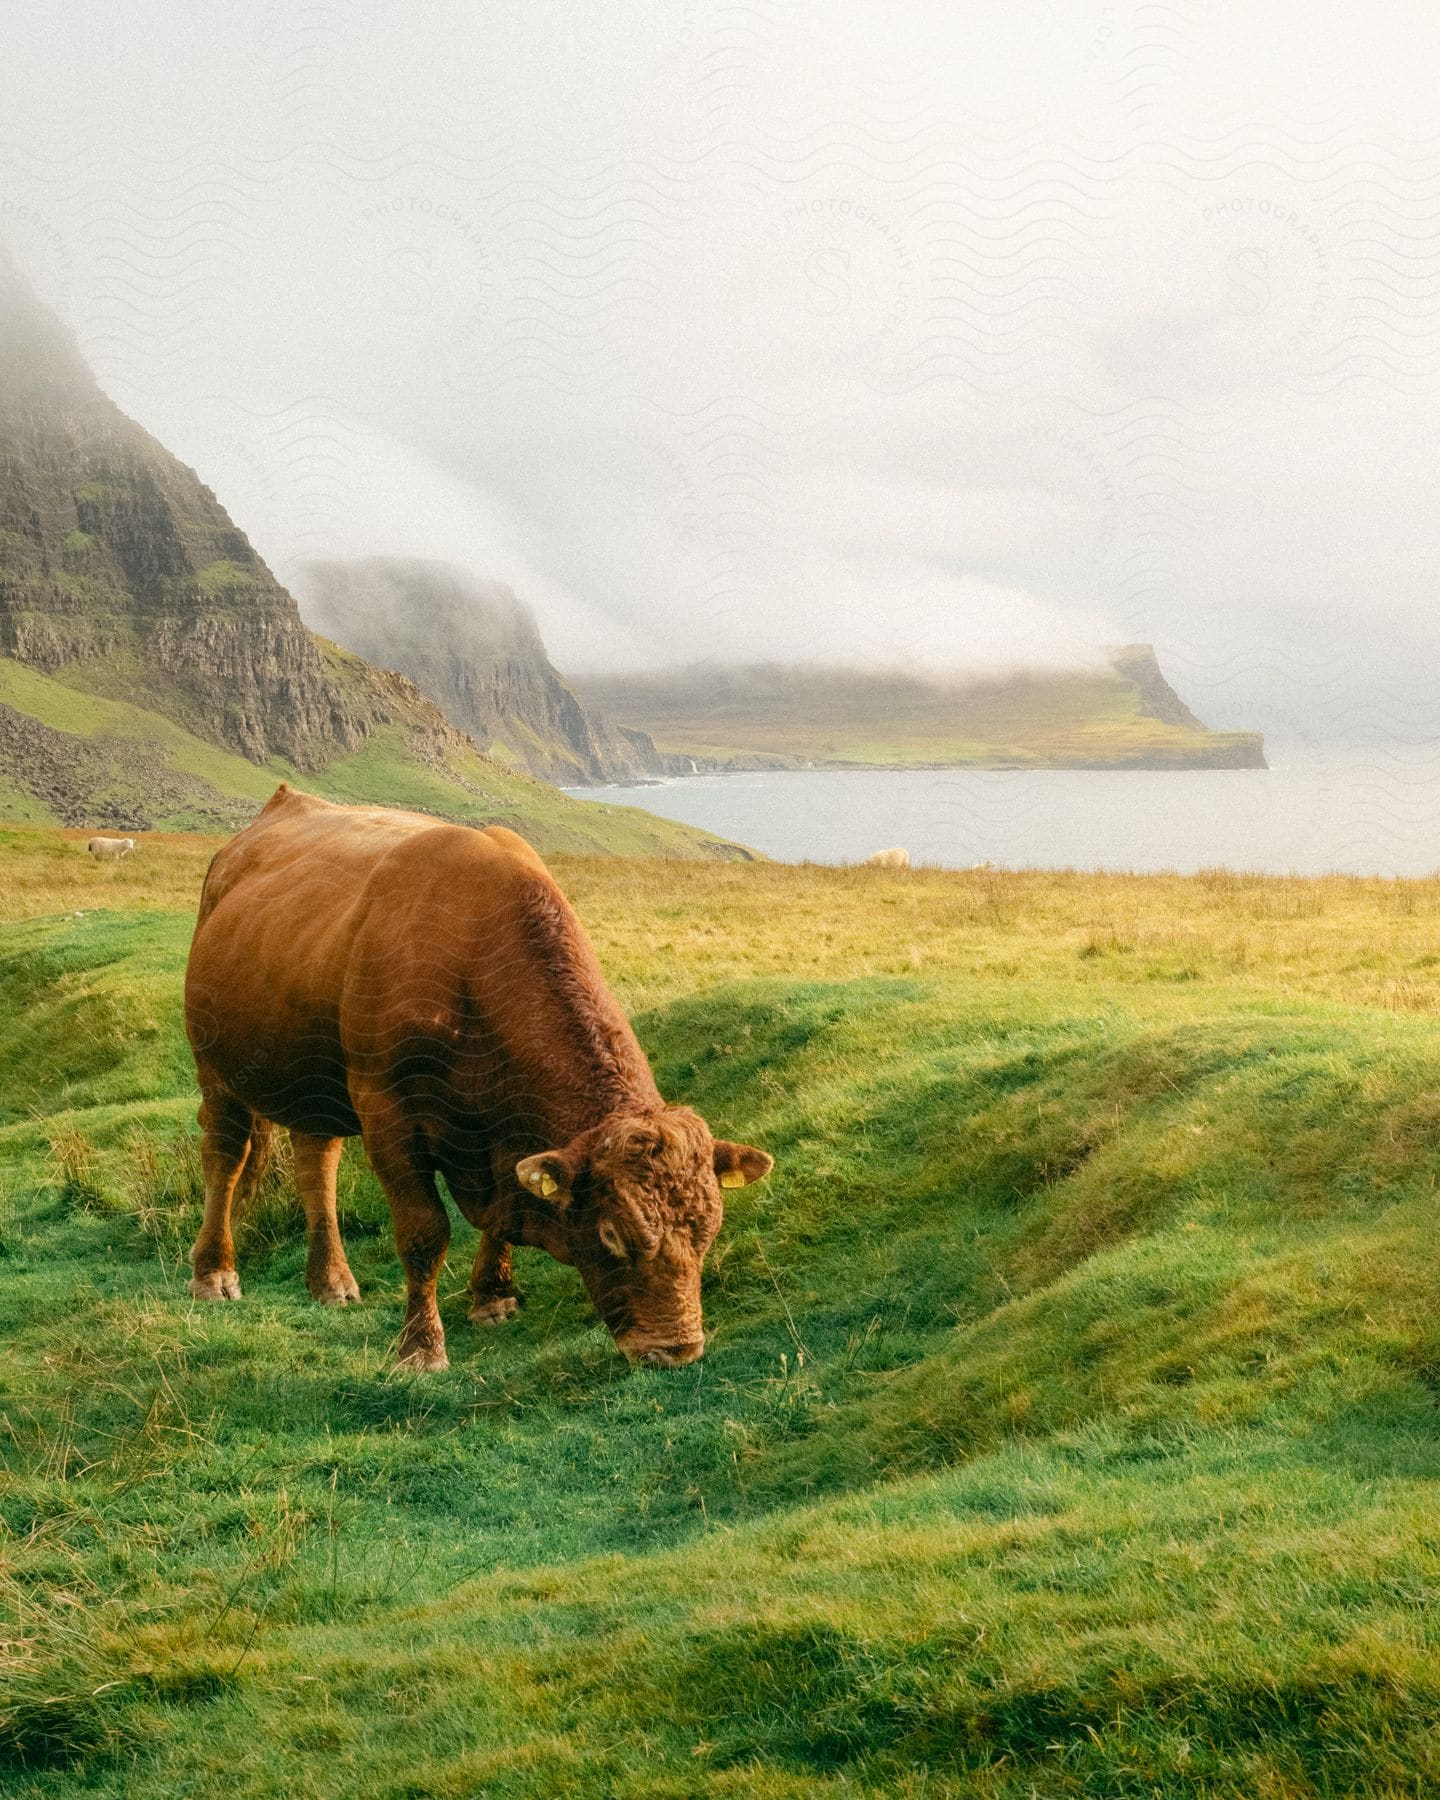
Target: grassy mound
x=1069 y=1425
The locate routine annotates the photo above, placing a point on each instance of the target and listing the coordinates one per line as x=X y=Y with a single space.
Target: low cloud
x=971 y=337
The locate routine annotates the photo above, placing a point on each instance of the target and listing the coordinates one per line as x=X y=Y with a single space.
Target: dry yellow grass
x=46 y=870
x=667 y=928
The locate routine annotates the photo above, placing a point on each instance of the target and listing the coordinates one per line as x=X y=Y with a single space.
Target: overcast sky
x=901 y=333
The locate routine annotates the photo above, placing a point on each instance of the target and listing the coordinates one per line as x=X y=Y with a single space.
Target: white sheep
x=108 y=849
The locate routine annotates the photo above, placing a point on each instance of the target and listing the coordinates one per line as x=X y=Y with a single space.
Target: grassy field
x=1069 y=1427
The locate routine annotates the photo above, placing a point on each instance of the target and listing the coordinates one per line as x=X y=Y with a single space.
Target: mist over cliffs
x=155 y=675
x=122 y=577
x=1115 y=713
x=473 y=646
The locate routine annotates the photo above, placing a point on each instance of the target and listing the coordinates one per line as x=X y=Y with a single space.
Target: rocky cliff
x=121 y=568
x=121 y=573
x=475 y=649
x=1138 y=663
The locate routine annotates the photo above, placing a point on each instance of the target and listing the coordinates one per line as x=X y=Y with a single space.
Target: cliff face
x=474 y=648
x=120 y=568
x=1137 y=663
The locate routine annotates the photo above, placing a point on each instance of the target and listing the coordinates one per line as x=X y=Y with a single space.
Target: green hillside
x=77 y=758
x=1122 y=713
x=1069 y=1426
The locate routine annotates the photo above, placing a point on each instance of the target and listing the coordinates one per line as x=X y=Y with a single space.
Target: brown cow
x=357 y=970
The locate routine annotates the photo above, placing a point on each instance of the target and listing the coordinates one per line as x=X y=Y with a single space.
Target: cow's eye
x=611 y=1237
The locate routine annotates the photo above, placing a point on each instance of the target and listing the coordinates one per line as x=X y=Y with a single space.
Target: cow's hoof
x=220 y=1284
x=424 y=1362
x=496 y=1310
x=339 y=1290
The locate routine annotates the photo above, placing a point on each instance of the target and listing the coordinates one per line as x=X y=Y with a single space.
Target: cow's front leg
x=422 y=1235
x=493 y=1299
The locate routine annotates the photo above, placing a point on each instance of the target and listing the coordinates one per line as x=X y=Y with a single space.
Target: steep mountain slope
x=474 y=649
x=121 y=570
x=154 y=673
x=1120 y=713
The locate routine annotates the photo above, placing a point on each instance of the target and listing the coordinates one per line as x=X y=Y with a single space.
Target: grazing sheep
x=888 y=859
x=105 y=849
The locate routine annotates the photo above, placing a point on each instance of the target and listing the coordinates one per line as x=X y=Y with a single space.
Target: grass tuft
x=66 y=1693
x=72 y=1173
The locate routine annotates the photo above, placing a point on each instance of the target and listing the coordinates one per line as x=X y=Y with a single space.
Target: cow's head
x=635 y=1204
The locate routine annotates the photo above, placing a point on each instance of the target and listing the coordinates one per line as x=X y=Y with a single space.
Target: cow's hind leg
x=226 y=1127
x=493 y=1299
x=327 y=1273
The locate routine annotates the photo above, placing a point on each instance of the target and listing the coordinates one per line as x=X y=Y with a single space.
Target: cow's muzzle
x=640 y=1349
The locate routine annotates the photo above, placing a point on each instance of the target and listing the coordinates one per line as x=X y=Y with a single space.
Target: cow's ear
x=548 y=1176
x=737 y=1165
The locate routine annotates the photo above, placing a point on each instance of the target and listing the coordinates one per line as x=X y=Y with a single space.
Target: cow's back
x=282 y=905
x=299 y=843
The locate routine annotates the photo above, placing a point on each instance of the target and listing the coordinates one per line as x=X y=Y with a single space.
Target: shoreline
x=930 y=768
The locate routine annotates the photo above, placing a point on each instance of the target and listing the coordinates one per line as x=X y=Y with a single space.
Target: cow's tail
x=262 y=1144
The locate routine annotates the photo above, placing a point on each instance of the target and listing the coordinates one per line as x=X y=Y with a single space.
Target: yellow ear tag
x=548 y=1184
x=733 y=1178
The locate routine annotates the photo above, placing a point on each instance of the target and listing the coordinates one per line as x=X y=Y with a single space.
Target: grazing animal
x=106 y=849
x=362 y=971
x=888 y=859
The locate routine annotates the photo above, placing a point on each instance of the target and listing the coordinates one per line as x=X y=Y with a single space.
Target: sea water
x=1369 y=811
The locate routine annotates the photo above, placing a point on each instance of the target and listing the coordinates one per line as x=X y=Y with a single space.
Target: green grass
x=1069 y=1425
x=222 y=576
x=21 y=807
